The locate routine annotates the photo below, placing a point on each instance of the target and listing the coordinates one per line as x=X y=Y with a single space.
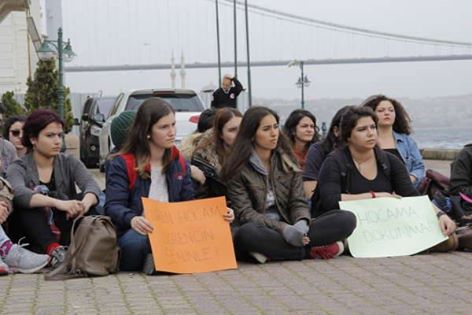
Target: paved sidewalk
x=423 y=284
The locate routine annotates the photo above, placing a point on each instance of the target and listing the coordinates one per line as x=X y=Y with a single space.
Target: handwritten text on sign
x=392 y=227
x=190 y=236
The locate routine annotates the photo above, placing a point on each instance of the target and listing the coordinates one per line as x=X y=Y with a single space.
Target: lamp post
x=63 y=50
x=303 y=80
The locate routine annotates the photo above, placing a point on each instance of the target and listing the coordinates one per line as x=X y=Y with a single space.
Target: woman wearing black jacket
x=360 y=170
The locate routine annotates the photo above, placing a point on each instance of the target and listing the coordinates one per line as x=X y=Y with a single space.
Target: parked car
x=94 y=114
x=186 y=103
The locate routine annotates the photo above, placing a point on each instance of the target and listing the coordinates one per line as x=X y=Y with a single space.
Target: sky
x=113 y=32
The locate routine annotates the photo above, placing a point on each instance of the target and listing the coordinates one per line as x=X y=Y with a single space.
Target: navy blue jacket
x=122 y=204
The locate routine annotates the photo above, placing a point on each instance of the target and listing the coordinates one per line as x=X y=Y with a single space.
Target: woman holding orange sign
x=148 y=165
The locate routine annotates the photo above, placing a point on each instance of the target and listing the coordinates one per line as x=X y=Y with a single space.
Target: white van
x=186 y=103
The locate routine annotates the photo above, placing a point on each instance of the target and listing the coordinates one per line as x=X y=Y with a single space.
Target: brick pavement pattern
x=421 y=284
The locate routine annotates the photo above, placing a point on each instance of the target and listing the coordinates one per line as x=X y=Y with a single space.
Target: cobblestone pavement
x=422 y=284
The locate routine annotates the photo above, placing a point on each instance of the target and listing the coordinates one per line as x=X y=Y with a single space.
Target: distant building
x=21 y=29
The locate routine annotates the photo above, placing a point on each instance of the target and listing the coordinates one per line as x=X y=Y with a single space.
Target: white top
x=158 y=189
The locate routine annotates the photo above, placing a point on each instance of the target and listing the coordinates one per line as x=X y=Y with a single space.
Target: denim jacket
x=411 y=155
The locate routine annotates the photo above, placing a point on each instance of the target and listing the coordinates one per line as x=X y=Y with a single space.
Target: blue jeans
x=134 y=249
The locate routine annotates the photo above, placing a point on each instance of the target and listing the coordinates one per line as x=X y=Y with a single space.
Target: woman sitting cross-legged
x=265 y=189
x=148 y=165
x=44 y=183
x=360 y=170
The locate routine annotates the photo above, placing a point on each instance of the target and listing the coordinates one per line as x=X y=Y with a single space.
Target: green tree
x=42 y=91
x=11 y=105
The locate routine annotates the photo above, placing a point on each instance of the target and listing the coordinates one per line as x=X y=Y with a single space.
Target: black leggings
x=332 y=226
x=33 y=224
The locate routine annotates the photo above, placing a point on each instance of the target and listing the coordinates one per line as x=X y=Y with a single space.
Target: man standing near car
x=226 y=95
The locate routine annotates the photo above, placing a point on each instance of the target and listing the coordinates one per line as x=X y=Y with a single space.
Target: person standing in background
x=226 y=95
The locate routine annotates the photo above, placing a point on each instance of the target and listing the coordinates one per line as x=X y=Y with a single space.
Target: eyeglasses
x=16 y=133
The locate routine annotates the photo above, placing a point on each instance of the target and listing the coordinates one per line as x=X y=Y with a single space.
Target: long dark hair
x=222 y=116
x=243 y=144
x=292 y=122
x=402 y=119
x=149 y=113
x=332 y=141
x=350 y=118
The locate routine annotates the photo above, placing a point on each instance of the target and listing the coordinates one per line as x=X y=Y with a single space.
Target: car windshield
x=105 y=104
x=180 y=102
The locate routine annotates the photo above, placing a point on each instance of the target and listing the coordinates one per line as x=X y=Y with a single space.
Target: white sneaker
x=4 y=270
x=259 y=257
x=20 y=259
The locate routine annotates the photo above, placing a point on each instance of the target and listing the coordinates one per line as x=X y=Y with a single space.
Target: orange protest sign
x=190 y=236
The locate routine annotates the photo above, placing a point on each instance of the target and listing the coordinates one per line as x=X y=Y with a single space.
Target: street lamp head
x=68 y=53
x=293 y=63
x=46 y=52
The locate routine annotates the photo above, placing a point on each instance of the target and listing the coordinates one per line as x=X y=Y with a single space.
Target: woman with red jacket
x=148 y=165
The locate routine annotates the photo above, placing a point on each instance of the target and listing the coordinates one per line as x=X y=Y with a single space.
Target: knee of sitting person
x=133 y=241
x=349 y=221
x=245 y=233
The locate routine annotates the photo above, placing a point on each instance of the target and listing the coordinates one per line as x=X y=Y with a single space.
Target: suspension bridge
x=315 y=41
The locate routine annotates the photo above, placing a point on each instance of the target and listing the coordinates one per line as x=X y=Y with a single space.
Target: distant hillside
x=440 y=112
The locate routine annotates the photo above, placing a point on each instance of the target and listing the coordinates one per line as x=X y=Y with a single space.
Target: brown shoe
x=448 y=245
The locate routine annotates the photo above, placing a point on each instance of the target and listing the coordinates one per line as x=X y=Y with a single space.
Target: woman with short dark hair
x=44 y=182
x=13 y=132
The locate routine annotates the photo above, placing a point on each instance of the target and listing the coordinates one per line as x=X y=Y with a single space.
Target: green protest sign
x=392 y=227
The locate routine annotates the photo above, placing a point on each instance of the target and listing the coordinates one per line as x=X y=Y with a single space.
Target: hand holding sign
x=393 y=227
x=190 y=236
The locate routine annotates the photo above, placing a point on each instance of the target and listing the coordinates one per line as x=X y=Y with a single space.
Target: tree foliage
x=43 y=89
x=11 y=104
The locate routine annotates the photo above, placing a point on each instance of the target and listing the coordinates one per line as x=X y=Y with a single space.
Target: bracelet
x=440 y=213
x=372 y=193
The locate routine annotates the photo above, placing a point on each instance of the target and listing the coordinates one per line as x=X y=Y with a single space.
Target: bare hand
x=306 y=240
x=4 y=211
x=447 y=225
x=141 y=225
x=73 y=208
x=229 y=215
x=197 y=174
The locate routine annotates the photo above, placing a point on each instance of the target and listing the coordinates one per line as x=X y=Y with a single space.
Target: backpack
x=346 y=168
x=93 y=250
x=130 y=161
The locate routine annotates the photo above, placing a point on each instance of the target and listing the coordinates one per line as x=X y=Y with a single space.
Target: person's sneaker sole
x=31 y=270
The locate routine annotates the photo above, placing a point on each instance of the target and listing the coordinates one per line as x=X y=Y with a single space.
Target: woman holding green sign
x=361 y=170
x=265 y=187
